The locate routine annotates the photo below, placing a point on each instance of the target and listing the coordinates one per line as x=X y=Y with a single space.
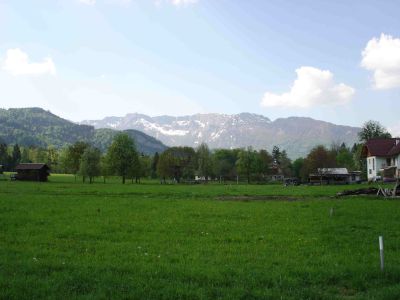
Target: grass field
x=66 y=240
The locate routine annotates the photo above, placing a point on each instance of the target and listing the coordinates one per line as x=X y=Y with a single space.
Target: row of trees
x=184 y=163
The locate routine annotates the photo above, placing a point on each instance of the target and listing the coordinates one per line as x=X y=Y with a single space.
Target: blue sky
x=86 y=59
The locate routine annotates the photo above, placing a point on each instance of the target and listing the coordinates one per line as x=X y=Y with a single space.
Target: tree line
x=183 y=164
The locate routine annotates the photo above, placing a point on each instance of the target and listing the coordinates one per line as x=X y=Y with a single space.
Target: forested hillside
x=37 y=127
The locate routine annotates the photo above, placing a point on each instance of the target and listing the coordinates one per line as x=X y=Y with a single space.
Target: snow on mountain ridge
x=296 y=135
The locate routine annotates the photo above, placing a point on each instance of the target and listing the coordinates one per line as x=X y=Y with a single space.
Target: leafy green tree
x=154 y=164
x=122 y=156
x=52 y=158
x=204 y=161
x=297 y=166
x=276 y=153
x=135 y=172
x=25 y=155
x=105 y=168
x=285 y=164
x=345 y=159
x=146 y=168
x=247 y=162
x=177 y=163
x=224 y=162
x=90 y=163
x=319 y=157
x=16 y=156
x=372 y=129
x=73 y=156
x=166 y=165
x=265 y=161
x=38 y=155
x=4 y=157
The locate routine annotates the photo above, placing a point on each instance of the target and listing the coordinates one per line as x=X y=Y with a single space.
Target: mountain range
x=37 y=127
x=296 y=135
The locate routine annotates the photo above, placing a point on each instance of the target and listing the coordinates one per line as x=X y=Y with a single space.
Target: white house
x=383 y=158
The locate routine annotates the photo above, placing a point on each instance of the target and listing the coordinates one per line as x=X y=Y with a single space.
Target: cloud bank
x=17 y=63
x=382 y=57
x=311 y=87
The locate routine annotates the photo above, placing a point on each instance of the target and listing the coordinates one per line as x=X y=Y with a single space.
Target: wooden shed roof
x=27 y=166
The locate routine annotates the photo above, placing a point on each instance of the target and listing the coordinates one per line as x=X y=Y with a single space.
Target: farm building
x=32 y=172
x=383 y=158
x=334 y=176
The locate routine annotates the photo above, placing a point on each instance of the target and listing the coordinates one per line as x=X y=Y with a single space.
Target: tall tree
x=345 y=159
x=90 y=163
x=165 y=165
x=247 y=162
x=285 y=164
x=105 y=169
x=319 y=157
x=224 y=162
x=73 y=155
x=4 y=157
x=154 y=164
x=52 y=158
x=25 y=155
x=265 y=162
x=204 y=161
x=177 y=163
x=276 y=155
x=372 y=129
x=122 y=155
x=16 y=156
x=297 y=166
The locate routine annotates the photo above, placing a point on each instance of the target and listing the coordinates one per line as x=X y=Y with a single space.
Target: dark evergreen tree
x=154 y=164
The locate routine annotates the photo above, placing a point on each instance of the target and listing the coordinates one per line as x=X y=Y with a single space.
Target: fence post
x=381 y=252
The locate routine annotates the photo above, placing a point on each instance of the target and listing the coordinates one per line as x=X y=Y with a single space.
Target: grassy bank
x=65 y=239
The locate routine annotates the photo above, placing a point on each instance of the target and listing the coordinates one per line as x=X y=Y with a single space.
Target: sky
x=337 y=61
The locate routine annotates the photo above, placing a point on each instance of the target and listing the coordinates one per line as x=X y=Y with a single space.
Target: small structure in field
x=383 y=159
x=334 y=176
x=32 y=172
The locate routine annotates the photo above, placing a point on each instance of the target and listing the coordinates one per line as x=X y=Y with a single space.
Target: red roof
x=381 y=147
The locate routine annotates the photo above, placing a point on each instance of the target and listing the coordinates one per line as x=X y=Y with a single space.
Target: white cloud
x=88 y=2
x=176 y=2
x=382 y=56
x=312 y=87
x=17 y=63
x=394 y=129
x=182 y=2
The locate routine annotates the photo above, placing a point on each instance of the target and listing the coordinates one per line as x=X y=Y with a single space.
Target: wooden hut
x=334 y=176
x=32 y=172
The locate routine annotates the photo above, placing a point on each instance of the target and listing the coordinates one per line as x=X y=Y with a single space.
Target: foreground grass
x=68 y=240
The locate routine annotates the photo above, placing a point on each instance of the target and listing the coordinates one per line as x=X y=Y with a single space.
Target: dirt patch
x=246 y=198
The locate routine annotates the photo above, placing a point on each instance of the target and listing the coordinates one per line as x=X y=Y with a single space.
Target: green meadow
x=68 y=240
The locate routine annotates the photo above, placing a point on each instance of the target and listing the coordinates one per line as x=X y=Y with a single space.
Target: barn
x=32 y=172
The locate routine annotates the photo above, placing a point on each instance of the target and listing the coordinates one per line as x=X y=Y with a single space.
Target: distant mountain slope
x=35 y=126
x=295 y=134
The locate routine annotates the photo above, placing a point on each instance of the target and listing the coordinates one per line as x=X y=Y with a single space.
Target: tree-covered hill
x=37 y=127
